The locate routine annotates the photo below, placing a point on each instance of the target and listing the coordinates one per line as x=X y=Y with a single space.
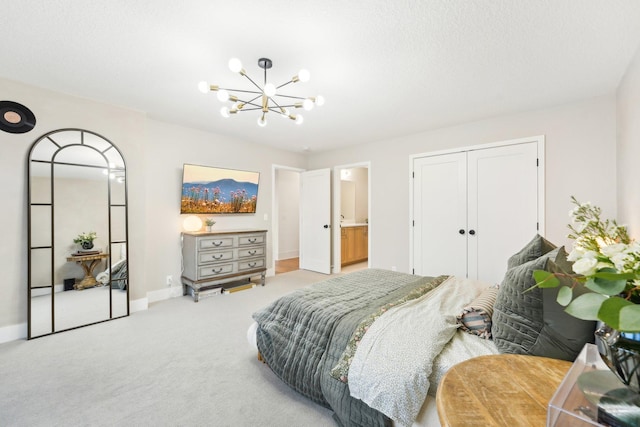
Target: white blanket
x=391 y=367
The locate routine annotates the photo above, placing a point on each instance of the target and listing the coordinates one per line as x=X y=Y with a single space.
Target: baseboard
x=13 y=332
x=288 y=255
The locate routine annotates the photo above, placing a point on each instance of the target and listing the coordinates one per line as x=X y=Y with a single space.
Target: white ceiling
x=386 y=67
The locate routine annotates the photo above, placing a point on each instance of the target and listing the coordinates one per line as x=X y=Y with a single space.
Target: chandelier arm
x=254 y=83
x=250 y=103
x=251 y=100
x=241 y=90
x=284 y=84
x=290 y=96
x=275 y=102
x=251 y=109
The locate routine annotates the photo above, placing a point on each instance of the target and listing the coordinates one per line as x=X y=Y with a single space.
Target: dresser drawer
x=216 y=242
x=251 y=240
x=251 y=264
x=214 y=256
x=251 y=252
x=215 y=270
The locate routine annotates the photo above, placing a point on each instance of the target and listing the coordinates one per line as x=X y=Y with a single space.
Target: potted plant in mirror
x=606 y=262
x=209 y=222
x=85 y=240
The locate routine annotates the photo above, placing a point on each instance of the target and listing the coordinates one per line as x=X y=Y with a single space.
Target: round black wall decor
x=16 y=118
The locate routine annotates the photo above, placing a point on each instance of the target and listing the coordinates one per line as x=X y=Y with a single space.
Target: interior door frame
x=337 y=200
x=275 y=230
x=539 y=139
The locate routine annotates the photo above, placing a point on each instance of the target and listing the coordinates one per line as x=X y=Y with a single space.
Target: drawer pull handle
x=252 y=252
x=252 y=264
x=252 y=240
x=217 y=256
x=214 y=243
x=217 y=270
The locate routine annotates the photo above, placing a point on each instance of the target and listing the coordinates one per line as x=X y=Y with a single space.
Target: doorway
x=352 y=217
x=286 y=218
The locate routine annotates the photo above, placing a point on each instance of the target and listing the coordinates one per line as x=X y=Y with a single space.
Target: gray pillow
x=533 y=250
x=533 y=322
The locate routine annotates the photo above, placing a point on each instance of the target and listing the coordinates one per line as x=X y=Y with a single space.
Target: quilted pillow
x=532 y=322
x=476 y=317
x=533 y=250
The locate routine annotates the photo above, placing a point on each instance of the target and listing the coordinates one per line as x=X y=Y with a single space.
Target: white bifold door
x=473 y=209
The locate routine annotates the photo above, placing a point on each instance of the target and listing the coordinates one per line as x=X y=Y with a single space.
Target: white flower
x=612 y=250
x=576 y=253
x=585 y=266
x=619 y=260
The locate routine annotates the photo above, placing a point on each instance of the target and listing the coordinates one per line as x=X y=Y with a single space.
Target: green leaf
x=565 y=294
x=606 y=287
x=544 y=279
x=609 y=312
x=613 y=275
x=630 y=318
x=586 y=306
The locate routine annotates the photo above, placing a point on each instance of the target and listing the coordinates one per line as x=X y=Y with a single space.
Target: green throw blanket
x=303 y=335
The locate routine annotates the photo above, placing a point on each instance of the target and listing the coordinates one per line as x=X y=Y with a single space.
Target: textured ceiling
x=386 y=67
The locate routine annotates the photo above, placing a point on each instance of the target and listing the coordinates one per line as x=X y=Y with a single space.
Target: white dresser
x=212 y=259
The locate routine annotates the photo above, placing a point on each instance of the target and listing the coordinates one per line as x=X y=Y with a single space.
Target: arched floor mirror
x=77 y=186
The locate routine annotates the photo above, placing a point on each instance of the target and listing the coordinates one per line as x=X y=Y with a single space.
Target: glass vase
x=621 y=353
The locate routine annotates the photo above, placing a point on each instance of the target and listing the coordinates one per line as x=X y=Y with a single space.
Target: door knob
x=461 y=231
x=326 y=226
x=472 y=232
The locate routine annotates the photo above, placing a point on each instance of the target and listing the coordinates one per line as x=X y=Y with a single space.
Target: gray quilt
x=302 y=335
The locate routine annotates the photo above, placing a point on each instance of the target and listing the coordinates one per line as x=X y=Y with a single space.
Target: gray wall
x=580 y=139
x=628 y=172
x=154 y=153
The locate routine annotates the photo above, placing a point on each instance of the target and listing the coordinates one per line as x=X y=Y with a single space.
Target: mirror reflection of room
x=78 y=232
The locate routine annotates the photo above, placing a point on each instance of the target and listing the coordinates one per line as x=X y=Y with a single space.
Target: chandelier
x=266 y=99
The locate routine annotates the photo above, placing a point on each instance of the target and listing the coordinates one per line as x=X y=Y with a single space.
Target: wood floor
x=292 y=264
x=285 y=265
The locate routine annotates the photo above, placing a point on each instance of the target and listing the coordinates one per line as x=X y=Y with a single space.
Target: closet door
x=440 y=214
x=502 y=206
x=473 y=209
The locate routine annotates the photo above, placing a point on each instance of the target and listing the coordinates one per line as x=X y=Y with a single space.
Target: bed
x=308 y=338
x=373 y=345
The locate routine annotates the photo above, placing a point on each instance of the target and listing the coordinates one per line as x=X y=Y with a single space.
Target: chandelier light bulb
x=262 y=121
x=319 y=100
x=203 y=87
x=269 y=89
x=224 y=111
x=307 y=104
x=223 y=95
x=304 y=75
x=299 y=119
x=235 y=65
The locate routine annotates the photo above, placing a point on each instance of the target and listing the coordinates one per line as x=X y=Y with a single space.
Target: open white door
x=315 y=220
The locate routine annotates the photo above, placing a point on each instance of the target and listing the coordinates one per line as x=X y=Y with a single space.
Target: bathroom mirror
x=77 y=187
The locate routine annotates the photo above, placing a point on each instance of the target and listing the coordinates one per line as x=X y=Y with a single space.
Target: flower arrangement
x=209 y=221
x=85 y=237
x=607 y=262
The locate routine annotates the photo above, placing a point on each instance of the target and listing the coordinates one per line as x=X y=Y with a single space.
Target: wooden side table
x=88 y=263
x=499 y=390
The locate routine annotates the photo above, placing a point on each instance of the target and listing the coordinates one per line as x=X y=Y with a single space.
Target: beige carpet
x=179 y=363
